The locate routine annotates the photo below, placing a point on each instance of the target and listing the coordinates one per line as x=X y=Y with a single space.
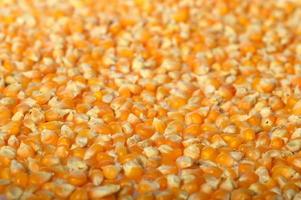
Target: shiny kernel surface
x=150 y=99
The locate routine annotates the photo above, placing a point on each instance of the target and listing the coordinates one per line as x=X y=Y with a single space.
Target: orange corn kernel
x=193 y=129
x=77 y=179
x=176 y=102
x=79 y=194
x=146 y=196
x=224 y=159
x=181 y=15
x=208 y=153
x=111 y=171
x=193 y=118
x=277 y=143
x=132 y=170
x=241 y=194
x=5 y=115
x=248 y=134
x=104 y=159
x=143 y=130
x=227 y=91
x=20 y=179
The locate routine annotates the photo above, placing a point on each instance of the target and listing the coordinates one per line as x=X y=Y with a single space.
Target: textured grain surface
x=150 y=99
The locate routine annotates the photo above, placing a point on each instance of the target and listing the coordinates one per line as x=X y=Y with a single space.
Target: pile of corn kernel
x=150 y=99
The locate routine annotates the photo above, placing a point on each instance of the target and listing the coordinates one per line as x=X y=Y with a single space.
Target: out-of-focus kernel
x=173 y=181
